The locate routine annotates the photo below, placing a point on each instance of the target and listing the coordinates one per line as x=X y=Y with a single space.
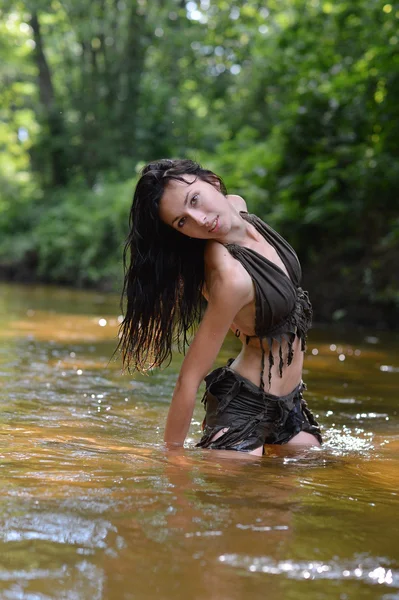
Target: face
x=197 y=209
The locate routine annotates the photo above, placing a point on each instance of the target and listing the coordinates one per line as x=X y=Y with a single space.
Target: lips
x=214 y=225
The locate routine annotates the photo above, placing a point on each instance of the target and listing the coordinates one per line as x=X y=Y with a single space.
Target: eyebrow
x=185 y=202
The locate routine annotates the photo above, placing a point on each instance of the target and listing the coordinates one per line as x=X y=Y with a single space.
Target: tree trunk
x=52 y=115
x=138 y=40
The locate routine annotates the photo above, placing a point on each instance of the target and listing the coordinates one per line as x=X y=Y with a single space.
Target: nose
x=200 y=218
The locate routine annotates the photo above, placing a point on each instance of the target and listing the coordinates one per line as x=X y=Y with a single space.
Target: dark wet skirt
x=253 y=417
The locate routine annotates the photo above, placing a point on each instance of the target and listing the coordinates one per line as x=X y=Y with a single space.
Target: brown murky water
x=92 y=506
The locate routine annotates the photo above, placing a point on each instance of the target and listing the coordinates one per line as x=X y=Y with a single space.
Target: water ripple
x=366 y=569
x=57 y=528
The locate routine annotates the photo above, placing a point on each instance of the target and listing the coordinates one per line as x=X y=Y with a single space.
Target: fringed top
x=283 y=309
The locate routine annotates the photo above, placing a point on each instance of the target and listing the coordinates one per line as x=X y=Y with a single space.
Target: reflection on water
x=93 y=506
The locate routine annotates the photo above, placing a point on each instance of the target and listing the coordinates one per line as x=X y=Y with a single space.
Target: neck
x=240 y=232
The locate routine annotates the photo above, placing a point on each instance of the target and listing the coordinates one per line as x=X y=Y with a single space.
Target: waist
x=249 y=365
x=224 y=380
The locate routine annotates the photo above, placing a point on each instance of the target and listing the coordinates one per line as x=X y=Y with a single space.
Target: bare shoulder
x=216 y=255
x=225 y=277
x=238 y=202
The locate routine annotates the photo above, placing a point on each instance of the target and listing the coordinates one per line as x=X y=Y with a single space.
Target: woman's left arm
x=227 y=295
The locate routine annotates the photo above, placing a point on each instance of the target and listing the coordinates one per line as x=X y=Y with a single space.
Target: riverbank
x=356 y=316
x=75 y=236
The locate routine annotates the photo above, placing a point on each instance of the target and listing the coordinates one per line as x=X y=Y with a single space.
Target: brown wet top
x=283 y=309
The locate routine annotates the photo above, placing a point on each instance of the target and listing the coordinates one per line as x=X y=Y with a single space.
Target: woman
x=189 y=239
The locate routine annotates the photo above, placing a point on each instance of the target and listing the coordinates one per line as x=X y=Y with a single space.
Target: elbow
x=187 y=384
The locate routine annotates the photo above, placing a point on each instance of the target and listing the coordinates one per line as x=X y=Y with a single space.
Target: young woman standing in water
x=189 y=239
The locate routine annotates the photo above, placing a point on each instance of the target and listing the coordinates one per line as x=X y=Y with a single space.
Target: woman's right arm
x=227 y=295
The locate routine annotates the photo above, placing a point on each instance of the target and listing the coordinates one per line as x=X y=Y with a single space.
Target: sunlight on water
x=344 y=441
x=364 y=569
x=93 y=506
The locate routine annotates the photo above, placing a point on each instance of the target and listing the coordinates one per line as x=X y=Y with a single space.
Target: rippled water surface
x=92 y=506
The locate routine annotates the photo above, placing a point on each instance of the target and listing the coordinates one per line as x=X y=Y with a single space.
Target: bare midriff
x=249 y=364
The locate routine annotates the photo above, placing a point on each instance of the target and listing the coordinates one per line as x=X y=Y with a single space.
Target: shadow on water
x=93 y=506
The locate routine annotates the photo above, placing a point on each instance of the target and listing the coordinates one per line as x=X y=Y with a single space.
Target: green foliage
x=295 y=105
x=80 y=235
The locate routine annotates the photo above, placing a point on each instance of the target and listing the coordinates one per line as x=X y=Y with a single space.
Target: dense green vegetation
x=295 y=105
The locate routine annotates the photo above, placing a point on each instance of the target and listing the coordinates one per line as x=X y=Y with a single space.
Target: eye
x=194 y=199
x=181 y=222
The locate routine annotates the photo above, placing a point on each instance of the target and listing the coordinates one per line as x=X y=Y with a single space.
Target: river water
x=92 y=505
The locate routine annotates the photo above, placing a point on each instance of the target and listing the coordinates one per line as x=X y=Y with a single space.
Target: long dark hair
x=164 y=271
